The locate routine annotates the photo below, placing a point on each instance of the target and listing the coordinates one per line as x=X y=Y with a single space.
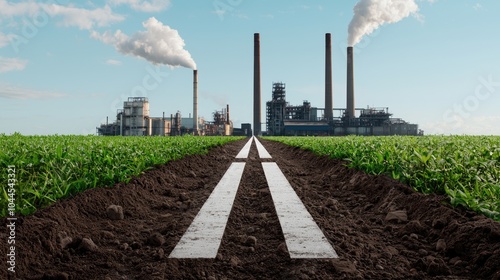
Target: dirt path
x=380 y=229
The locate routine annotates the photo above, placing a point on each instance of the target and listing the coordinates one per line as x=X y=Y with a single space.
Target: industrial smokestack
x=227 y=114
x=328 y=78
x=256 y=84
x=195 y=102
x=350 y=111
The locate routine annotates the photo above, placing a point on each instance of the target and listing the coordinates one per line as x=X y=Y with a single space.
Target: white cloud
x=15 y=92
x=11 y=64
x=71 y=16
x=18 y=9
x=144 y=5
x=113 y=62
x=82 y=18
x=477 y=6
x=158 y=44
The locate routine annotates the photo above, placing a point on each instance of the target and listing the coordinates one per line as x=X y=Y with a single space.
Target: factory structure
x=285 y=119
x=134 y=120
x=281 y=117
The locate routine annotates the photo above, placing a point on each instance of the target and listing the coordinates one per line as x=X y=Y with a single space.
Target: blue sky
x=439 y=68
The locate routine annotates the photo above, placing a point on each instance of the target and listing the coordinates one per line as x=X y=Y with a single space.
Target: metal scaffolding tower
x=276 y=110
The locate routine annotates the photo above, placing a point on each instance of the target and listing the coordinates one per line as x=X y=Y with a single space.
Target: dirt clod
x=88 y=245
x=282 y=249
x=115 y=212
x=399 y=216
x=344 y=266
x=64 y=239
x=234 y=261
x=251 y=241
x=438 y=223
x=414 y=226
x=135 y=245
x=183 y=197
x=156 y=239
x=441 y=245
x=160 y=254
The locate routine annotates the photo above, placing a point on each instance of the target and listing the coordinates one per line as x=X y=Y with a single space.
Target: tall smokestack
x=195 y=102
x=328 y=78
x=227 y=114
x=350 y=110
x=256 y=84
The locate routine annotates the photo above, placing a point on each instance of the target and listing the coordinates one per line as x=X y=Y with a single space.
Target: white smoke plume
x=371 y=14
x=159 y=44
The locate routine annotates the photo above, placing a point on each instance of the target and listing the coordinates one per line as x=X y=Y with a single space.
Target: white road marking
x=262 y=151
x=245 y=150
x=203 y=237
x=303 y=237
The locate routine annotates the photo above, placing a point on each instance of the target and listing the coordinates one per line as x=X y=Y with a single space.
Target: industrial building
x=285 y=119
x=134 y=120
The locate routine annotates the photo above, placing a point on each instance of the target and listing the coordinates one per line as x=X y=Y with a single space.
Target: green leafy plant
x=52 y=167
x=466 y=168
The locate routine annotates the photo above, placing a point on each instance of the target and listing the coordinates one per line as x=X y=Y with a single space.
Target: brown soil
x=380 y=228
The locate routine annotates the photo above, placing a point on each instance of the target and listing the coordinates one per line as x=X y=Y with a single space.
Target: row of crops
x=51 y=167
x=466 y=168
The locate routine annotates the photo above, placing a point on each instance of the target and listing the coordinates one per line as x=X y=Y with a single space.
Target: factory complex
x=134 y=120
x=281 y=118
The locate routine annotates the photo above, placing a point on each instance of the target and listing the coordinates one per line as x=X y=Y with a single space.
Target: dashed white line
x=303 y=237
x=245 y=150
x=203 y=237
x=262 y=151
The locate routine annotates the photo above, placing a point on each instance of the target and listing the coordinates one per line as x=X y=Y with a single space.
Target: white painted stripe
x=203 y=237
x=245 y=150
x=262 y=151
x=303 y=237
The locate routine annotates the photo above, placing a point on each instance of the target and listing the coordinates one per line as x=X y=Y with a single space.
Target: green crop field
x=466 y=168
x=43 y=169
